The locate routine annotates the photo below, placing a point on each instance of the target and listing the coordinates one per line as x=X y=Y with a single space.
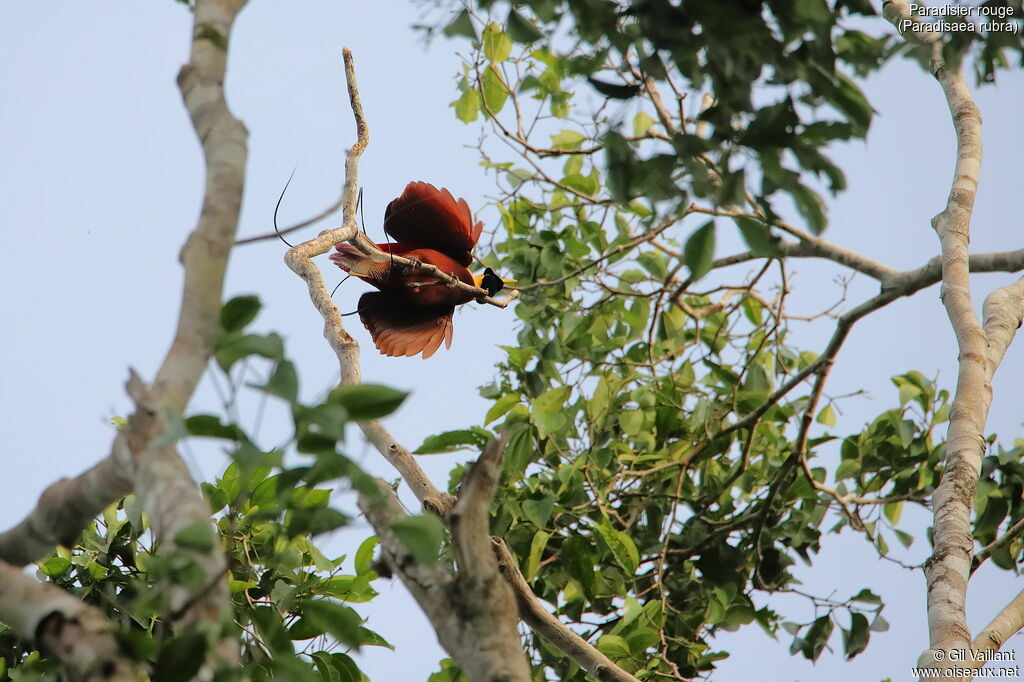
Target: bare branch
x=471 y=610
x=76 y=635
x=948 y=568
x=549 y=628
x=205 y=254
x=1003 y=312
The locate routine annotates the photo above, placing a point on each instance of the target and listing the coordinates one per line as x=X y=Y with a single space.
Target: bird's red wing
x=431 y=218
x=398 y=328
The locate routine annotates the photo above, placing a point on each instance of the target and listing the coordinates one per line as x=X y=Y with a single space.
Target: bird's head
x=489 y=281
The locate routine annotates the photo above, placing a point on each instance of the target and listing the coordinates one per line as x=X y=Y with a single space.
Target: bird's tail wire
x=278 y=206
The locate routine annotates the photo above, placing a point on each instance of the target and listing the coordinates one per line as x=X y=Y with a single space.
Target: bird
x=411 y=313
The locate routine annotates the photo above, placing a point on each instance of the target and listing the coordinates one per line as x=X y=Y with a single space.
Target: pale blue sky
x=102 y=178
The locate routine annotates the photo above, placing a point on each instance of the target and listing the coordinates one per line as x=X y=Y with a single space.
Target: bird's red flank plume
x=412 y=312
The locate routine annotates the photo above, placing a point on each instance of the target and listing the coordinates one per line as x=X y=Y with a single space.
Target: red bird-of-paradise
x=412 y=311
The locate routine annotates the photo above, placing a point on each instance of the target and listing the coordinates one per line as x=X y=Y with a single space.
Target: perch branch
x=300 y=260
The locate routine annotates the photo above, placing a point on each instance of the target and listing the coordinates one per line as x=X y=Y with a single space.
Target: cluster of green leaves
x=653 y=476
x=779 y=73
x=293 y=605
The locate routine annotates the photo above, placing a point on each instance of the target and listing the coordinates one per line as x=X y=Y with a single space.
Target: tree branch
x=158 y=472
x=948 y=569
x=471 y=609
x=549 y=628
x=65 y=629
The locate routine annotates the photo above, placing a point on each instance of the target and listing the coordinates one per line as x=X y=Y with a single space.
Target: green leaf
x=642 y=122
x=449 y=672
x=271 y=627
x=856 y=639
x=197 y=537
x=348 y=588
x=810 y=207
x=284 y=382
x=462 y=25
x=520 y=29
x=539 y=511
x=210 y=426
x=827 y=416
x=537 y=547
x=567 y=139
x=621 y=545
x=520 y=450
x=239 y=586
x=340 y=621
x=347 y=668
x=368 y=637
x=907 y=393
x=422 y=536
x=752 y=309
x=758 y=237
x=906 y=539
x=613 y=646
x=893 y=511
x=631 y=421
x=501 y=406
x=328 y=673
x=467 y=107
x=232 y=347
x=237 y=313
x=367 y=401
x=450 y=441
x=548 y=410
x=866 y=596
x=699 y=252
x=497 y=44
x=495 y=92
x=817 y=637
x=364 y=556
x=180 y=658
x=850 y=100
x=579 y=561
x=313 y=521
x=55 y=566
x=614 y=90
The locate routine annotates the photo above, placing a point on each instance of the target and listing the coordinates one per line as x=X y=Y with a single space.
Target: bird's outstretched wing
x=399 y=329
x=425 y=217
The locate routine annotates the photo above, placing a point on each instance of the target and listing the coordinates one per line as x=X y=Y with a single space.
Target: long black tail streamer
x=278 y=206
